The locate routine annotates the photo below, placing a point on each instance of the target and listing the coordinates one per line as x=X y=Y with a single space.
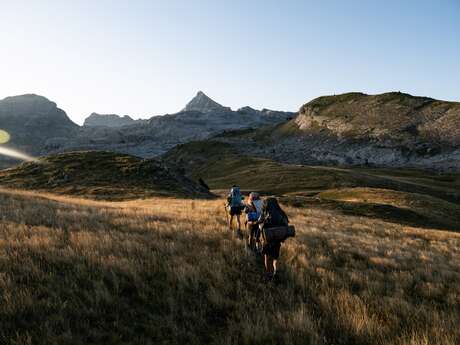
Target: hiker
x=235 y=206
x=272 y=217
x=253 y=210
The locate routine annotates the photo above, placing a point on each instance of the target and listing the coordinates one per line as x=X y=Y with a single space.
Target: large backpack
x=254 y=215
x=276 y=224
x=274 y=215
x=235 y=197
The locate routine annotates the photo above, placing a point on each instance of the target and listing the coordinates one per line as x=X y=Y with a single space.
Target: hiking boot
x=268 y=277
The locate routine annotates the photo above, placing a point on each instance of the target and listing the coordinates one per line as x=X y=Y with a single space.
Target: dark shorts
x=235 y=210
x=272 y=249
x=253 y=229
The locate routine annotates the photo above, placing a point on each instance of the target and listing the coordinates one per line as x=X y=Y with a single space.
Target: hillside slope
x=102 y=175
x=168 y=271
x=409 y=196
x=391 y=129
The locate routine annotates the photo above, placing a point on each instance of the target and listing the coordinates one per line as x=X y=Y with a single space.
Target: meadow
x=168 y=271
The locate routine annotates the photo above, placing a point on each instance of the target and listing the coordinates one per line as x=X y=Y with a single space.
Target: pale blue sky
x=150 y=57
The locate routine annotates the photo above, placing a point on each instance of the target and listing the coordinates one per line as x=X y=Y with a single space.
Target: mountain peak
x=29 y=98
x=202 y=103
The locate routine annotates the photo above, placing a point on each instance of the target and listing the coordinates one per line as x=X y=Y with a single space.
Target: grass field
x=412 y=197
x=167 y=271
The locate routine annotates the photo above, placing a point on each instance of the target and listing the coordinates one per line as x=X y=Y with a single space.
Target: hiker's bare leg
x=238 y=222
x=249 y=233
x=230 y=221
x=275 y=262
x=269 y=265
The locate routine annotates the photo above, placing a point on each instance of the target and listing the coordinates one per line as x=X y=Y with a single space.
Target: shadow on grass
x=387 y=213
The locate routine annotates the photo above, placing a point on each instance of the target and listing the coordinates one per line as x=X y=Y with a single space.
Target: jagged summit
x=204 y=104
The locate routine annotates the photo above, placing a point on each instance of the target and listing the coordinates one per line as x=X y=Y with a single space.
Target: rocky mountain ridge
x=144 y=138
x=391 y=129
x=109 y=120
x=388 y=130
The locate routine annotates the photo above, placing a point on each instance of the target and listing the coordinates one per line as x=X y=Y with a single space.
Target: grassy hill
x=393 y=130
x=394 y=116
x=221 y=165
x=101 y=175
x=167 y=271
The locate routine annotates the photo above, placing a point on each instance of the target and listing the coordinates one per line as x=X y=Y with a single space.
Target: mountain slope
x=354 y=129
x=102 y=175
x=392 y=129
x=399 y=118
x=402 y=196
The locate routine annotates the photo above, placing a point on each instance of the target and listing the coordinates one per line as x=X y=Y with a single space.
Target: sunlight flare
x=16 y=154
x=4 y=136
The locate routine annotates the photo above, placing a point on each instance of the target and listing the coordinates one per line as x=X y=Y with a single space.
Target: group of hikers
x=266 y=223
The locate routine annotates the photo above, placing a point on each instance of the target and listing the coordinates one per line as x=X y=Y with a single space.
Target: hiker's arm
x=261 y=219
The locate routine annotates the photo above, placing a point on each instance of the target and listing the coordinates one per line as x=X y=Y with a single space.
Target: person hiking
x=272 y=216
x=253 y=210
x=235 y=206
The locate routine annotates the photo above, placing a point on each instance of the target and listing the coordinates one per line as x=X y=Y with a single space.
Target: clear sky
x=145 y=58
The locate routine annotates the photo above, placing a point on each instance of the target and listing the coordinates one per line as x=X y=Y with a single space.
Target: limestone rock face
x=109 y=120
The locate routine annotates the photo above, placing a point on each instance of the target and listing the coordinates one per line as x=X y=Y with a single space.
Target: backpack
x=276 y=224
x=235 y=197
x=274 y=215
x=258 y=204
x=254 y=215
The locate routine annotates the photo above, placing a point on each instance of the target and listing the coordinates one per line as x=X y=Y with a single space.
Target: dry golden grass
x=167 y=271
